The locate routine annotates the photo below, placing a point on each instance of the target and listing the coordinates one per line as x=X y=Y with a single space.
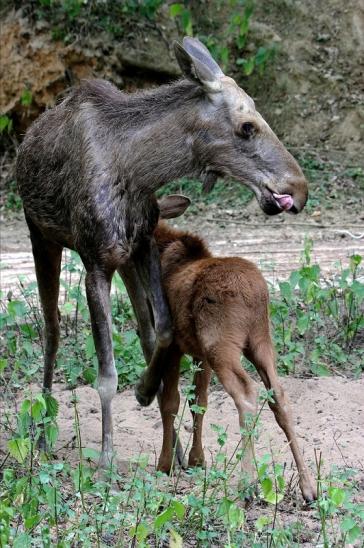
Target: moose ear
x=173 y=206
x=197 y=65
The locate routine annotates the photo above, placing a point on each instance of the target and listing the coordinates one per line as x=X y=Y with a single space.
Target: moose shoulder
x=87 y=171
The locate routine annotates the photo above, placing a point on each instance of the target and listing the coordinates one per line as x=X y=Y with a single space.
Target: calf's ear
x=173 y=206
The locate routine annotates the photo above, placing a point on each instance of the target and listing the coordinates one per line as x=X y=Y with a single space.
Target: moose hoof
x=143 y=398
x=309 y=493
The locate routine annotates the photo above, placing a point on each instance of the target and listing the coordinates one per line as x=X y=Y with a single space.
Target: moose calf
x=220 y=309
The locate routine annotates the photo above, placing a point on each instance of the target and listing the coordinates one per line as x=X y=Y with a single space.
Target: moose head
x=234 y=140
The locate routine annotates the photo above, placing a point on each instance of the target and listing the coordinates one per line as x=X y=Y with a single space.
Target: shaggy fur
x=220 y=309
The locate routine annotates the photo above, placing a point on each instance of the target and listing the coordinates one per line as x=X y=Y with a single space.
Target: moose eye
x=247 y=130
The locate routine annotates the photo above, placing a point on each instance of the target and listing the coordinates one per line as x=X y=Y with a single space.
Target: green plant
x=233 y=41
x=180 y=11
x=6 y=123
x=12 y=201
x=226 y=193
x=26 y=98
x=45 y=500
x=317 y=321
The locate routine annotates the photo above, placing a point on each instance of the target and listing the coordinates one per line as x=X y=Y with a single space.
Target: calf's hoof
x=196 y=460
x=165 y=467
x=143 y=396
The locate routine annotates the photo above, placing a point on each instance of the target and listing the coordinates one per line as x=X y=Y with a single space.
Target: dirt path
x=275 y=245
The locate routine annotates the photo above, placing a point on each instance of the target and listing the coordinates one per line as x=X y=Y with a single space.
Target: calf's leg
x=169 y=404
x=261 y=354
x=201 y=381
x=225 y=361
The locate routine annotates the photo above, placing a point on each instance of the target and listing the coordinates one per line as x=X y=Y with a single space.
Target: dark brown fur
x=220 y=309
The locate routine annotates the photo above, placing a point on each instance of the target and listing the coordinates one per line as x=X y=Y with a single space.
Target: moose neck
x=160 y=150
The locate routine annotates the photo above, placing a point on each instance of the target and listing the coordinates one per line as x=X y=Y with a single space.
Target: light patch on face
x=236 y=98
x=241 y=105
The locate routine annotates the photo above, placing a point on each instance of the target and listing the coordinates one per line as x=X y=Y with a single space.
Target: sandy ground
x=328 y=412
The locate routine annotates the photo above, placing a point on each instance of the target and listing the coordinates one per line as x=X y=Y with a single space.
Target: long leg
x=142 y=311
x=261 y=354
x=169 y=405
x=47 y=260
x=98 y=297
x=148 y=265
x=201 y=381
x=139 y=301
x=225 y=361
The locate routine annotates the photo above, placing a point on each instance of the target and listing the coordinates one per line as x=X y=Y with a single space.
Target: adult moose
x=87 y=171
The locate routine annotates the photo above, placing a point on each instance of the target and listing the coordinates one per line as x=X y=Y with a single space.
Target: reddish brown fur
x=220 y=309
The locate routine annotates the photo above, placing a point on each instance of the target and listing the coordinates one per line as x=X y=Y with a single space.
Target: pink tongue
x=284 y=200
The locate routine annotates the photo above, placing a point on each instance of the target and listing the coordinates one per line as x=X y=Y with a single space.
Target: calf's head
x=230 y=137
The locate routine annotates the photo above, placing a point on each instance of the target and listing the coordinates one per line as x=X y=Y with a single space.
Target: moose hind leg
x=98 y=297
x=261 y=354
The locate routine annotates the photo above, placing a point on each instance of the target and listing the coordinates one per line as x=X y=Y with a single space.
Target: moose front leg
x=147 y=262
x=139 y=301
x=98 y=297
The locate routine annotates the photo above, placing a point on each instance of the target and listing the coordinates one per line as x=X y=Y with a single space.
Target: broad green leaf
x=267 y=486
x=337 y=495
x=273 y=498
x=140 y=532
x=90 y=346
x=25 y=407
x=286 y=290
x=22 y=541
x=44 y=477
x=19 y=448
x=236 y=517
x=163 y=518
x=353 y=534
x=16 y=309
x=347 y=524
x=261 y=522
x=51 y=433
x=224 y=507
x=52 y=406
x=303 y=323
x=178 y=508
